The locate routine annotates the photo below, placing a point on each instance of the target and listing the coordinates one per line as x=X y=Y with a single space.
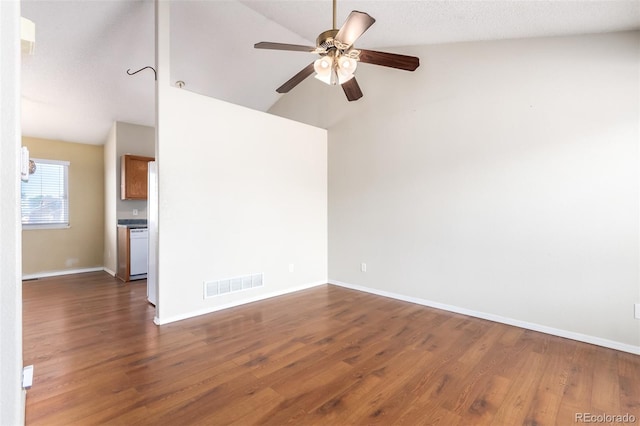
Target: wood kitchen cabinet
x=133 y=177
x=123 y=254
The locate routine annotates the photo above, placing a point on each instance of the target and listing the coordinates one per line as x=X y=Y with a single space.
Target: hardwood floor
x=327 y=355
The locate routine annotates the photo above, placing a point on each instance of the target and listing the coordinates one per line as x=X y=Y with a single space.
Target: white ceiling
x=76 y=85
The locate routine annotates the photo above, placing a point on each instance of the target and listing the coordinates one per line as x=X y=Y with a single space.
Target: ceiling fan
x=338 y=58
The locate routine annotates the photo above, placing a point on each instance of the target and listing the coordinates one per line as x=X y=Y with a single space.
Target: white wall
x=240 y=192
x=11 y=393
x=111 y=193
x=500 y=178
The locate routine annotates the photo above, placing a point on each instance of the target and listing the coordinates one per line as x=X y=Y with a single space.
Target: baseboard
x=497 y=318
x=162 y=321
x=23 y=406
x=59 y=273
x=109 y=271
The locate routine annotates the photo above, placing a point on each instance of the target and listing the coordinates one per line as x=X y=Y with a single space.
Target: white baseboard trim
x=109 y=271
x=497 y=318
x=59 y=273
x=23 y=406
x=162 y=321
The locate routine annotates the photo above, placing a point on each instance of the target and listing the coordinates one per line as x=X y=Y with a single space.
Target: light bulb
x=347 y=64
x=323 y=65
x=346 y=68
x=323 y=68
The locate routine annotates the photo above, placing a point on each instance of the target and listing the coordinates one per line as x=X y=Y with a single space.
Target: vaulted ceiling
x=76 y=85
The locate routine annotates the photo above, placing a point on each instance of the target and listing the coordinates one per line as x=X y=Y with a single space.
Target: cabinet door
x=133 y=174
x=123 y=253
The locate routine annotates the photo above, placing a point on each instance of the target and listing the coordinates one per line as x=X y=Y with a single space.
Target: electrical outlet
x=636 y=311
x=291 y=267
x=363 y=267
x=135 y=212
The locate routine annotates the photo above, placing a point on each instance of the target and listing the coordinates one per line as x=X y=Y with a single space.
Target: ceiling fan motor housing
x=326 y=39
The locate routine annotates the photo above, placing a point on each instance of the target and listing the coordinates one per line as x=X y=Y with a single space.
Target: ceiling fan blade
x=355 y=25
x=352 y=90
x=393 y=60
x=296 y=79
x=283 y=46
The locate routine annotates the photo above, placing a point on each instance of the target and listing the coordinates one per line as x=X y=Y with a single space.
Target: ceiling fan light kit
x=334 y=70
x=338 y=59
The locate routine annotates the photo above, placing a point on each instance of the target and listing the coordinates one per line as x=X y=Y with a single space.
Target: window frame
x=34 y=226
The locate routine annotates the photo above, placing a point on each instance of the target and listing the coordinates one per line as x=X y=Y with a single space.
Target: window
x=45 y=197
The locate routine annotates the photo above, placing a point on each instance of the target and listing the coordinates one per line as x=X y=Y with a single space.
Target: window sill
x=39 y=227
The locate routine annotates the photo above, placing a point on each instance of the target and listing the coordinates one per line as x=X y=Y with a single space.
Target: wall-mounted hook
x=136 y=72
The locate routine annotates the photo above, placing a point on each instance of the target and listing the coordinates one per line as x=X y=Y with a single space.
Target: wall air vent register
x=232 y=285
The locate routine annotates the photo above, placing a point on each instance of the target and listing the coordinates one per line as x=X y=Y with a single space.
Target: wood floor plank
x=484 y=407
x=521 y=395
x=543 y=409
x=605 y=390
x=629 y=380
x=323 y=356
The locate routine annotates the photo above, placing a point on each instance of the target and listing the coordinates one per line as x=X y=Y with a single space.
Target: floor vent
x=232 y=285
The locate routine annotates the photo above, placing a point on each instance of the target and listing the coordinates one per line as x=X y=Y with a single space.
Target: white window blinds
x=45 y=197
